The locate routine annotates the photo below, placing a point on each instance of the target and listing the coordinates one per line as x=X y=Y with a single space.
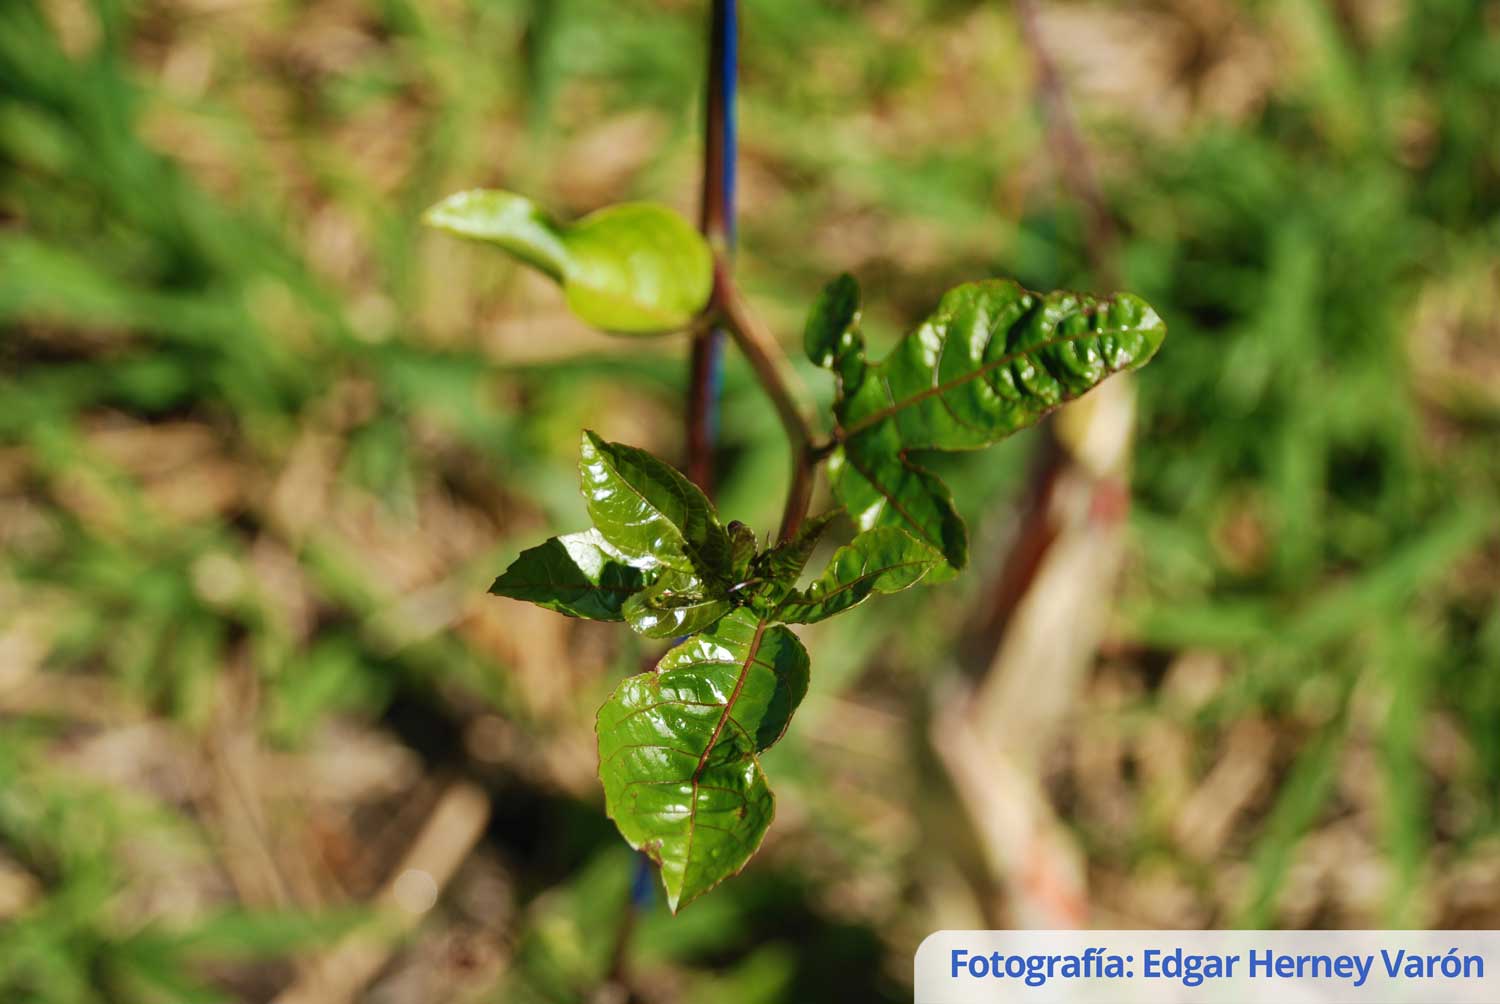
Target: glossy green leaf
x=831 y=337
x=993 y=359
x=678 y=750
x=650 y=513
x=677 y=604
x=742 y=548
x=883 y=560
x=881 y=486
x=778 y=568
x=578 y=574
x=635 y=268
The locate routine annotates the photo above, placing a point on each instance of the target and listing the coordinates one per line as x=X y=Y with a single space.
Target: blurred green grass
x=263 y=442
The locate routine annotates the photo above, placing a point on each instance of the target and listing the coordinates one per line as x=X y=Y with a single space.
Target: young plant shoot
x=679 y=746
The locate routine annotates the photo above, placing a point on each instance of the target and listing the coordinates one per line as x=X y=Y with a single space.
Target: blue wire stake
x=642 y=888
x=718 y=223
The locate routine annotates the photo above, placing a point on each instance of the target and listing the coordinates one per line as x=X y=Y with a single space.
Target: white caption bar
x=1222 y=967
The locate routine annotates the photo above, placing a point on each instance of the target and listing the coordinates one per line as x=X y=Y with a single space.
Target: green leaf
x=578 y=574
x=831 y=337
x=635 y=268
x=993 y=359
x=880 y=486
x=649 y=513
x=511 y=221
x=678 y=750
x=678 y=604
x=884 y=560
x=742 y=548
x=779 y=568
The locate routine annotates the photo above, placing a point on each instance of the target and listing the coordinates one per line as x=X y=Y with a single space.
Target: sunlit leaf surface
x=576 y=574
x=993 y=359
x=649 y=512
x=883 y=560
x=635 y=268
x=678 y=749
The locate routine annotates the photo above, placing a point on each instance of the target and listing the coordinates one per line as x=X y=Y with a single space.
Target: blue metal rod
x=717 y=220
x=722 y=116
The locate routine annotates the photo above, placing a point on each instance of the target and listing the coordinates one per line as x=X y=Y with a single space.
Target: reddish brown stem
x=771 y=367
x=700 y=405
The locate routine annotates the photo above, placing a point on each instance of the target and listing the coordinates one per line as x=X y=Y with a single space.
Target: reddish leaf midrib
x=739 y=685
x=911 y=400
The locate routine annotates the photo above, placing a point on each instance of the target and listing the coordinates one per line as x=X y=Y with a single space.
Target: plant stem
x=716 y=220
x=716 y=216
x=702 y=407
x=773 y=371
x=717 y=223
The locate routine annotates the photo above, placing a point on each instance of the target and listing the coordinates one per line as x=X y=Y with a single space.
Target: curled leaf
x=742 y=548
x=884 y=560
x=510 y=221
x=676 y=605
x=777 y=569
x=635 y=268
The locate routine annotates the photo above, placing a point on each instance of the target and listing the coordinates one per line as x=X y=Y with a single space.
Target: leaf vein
x=891 y=497
x=845 y=587
x=895 y=407
x=713 y=738
x=667 y=704
x=645 y=746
